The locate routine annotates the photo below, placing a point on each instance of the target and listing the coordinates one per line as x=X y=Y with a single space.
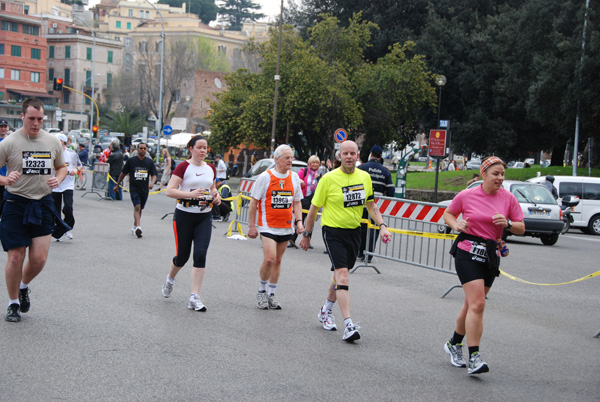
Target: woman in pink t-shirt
x=486 y=211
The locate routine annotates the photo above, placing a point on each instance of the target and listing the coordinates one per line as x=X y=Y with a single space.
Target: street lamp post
x=93 y=67
x=162 y=62
x=273 y=128
x=83 y=97
x=440 y=81
x=91 y=145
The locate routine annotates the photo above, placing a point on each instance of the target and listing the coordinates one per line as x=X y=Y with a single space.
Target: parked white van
x=586 y=215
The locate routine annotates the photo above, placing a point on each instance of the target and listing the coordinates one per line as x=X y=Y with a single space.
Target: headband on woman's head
x=492 y=160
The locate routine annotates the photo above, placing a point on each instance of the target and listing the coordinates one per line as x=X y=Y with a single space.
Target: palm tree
x=123 y=122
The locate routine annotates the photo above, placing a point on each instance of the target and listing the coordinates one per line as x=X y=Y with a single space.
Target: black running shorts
x=342 y=246
x=468 y=270
x=278 y=238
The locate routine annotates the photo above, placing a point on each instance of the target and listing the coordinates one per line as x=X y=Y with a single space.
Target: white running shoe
x=262 y=300
x=69 y=235
x=351 y=333
x=327 y=320
x=273 y=303
x=196 y=304
x=477 y=365
x=456 y=354
x=167 y=289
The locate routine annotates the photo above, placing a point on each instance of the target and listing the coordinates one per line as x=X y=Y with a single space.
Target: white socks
x=272 y=288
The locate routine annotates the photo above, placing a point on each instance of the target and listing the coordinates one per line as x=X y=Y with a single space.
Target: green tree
x=512 y=84
x=205 y=9
x=122 y=122
x=323 y=86
x=236 y=12
x=391 y=93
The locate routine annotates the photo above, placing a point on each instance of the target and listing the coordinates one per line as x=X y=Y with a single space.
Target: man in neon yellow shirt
x=342 y=193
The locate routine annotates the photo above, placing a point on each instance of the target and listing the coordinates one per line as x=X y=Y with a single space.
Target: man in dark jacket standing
x=115 y=161
x=382 y=186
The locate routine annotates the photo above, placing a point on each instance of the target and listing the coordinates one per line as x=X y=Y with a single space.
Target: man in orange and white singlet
x=276 y=195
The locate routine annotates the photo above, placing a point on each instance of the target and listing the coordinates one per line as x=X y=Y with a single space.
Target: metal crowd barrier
x=416 y=239
x=240 y=207
x=99 y=181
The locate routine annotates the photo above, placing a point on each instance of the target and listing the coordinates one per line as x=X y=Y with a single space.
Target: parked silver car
x=542 y=214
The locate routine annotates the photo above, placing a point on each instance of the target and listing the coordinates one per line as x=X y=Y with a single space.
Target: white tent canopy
x=177 y=140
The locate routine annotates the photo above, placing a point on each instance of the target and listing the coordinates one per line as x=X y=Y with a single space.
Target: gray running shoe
x=196 y=304
x=273 y=303
x=477 y=365
x=351 y=333
x=327 y=320
x=167 y=289
x=456 y=354
x=12 y=313
x=262 y=300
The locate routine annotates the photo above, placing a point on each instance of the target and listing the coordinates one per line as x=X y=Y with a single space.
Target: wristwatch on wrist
x=509 y=222
x=306 y=233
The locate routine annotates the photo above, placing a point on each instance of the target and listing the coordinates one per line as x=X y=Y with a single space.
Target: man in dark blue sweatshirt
x=382 y=186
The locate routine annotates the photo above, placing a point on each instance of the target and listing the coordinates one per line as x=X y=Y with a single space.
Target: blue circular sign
x=167 y=130
x=340 y=135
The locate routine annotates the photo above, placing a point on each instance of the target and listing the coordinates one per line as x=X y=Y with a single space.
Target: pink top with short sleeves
x=480 y=207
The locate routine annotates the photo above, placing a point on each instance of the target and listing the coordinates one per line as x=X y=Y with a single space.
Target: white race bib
x=37 y=162
x=354 y=195
x=281 y=199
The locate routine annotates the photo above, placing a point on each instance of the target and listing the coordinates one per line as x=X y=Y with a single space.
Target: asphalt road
x=99 y=328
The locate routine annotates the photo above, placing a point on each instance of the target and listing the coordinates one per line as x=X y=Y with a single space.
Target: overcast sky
x=269 y=7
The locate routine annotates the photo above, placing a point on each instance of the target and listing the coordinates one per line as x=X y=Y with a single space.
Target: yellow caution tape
x=413 y=232
x=109 y=177
x=514 y=278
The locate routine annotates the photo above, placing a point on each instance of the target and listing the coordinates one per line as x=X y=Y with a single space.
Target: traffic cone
x=429 y=165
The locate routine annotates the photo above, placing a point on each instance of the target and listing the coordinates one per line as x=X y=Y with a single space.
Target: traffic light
x=58 y=84
x=95 y=130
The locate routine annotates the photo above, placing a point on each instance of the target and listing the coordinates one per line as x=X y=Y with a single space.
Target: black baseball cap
x=3 y=122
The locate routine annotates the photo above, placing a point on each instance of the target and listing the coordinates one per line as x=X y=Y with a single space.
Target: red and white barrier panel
x=246 y=185
x=420 y=211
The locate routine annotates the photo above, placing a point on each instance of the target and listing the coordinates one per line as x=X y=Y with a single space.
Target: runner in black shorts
x=276 y=196
x=30 y=154
x=342 y=193
x=486 y=211
x=142 y=176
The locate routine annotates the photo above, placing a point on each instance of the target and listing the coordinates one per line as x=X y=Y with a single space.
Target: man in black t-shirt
x=142 y=176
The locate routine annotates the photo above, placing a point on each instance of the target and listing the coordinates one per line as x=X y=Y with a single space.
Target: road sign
x=437 y=143
x=340 y=135
x=337 y=146
x=167 y=130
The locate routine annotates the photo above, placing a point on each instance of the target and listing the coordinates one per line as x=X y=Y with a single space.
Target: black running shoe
x=24 y=299
x=12 y=314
